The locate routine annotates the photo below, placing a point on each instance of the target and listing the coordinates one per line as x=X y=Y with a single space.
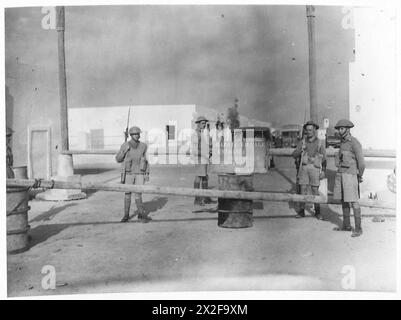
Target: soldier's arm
x=357 y=147
x=146 y=157
x=122 y=152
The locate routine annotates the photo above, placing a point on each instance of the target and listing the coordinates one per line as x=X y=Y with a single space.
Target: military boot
x=142 y=216
x=127 y=206
x=318 y=215
x=346 y=219
x=358 y=221
x=301 y=211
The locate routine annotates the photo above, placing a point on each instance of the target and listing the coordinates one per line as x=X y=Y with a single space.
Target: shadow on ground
x=328 y=214
x=155 y=204
x=50 y=214
x=152 y=206
x=86 y=171
x=43 y=232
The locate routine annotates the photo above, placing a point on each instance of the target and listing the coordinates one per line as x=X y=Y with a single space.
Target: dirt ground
x=183 y=249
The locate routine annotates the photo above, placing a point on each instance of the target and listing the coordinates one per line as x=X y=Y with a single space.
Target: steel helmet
x=134 y=130
x=201 y=118
x=344 y=123
x=311 y=123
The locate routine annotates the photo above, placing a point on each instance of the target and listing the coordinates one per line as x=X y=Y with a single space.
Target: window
x=170 y=132
x=97 y=138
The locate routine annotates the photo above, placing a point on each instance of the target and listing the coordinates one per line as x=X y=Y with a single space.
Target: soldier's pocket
x=347 y=159
x=337 y=159
x=317 y=161
x=305 y=158
x=127 y=165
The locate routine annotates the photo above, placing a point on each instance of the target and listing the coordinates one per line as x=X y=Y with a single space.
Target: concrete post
x=62 y=78
x=310 y=14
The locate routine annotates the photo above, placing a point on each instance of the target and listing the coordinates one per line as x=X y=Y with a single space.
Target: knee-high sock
x=346 y=215
x=127 y=204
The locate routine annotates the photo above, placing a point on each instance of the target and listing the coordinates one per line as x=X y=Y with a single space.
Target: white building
x=372 y=78
x=103 y=127
x=372 y=93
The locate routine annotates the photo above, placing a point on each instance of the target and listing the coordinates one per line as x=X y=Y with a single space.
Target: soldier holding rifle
x=135 y=165
x=311 y=155
x=351 y=166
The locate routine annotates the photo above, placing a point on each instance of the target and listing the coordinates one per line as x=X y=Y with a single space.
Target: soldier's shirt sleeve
x=146 y=157
x=121 y=154
x=298 y=150
x=145 y=153
x=357 y=147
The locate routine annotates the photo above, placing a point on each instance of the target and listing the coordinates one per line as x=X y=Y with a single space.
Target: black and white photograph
x=170 y=148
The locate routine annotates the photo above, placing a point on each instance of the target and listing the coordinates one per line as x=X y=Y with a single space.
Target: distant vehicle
x=287 y=136
x=333 y=140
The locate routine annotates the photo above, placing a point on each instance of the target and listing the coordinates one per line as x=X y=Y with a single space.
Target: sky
x=203 y=55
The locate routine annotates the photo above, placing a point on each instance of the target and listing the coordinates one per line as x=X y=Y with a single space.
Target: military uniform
x=310 y=155
x=133 y=157
x=200 y=153
x=350 y=168
x=350 y=163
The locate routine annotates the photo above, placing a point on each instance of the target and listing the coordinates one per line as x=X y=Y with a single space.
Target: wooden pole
x=62 y=78
x=310 y=14
x=287 y=152
x=244 y=195
x=188 y=192
x=280 y=152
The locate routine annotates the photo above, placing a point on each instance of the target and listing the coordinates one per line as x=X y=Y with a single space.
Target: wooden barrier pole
x=287 y=152
x=117 y=187
x=188 y=192
x=280 y=152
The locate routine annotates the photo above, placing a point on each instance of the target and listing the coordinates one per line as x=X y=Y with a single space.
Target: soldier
x=133 y=157
x=351 y=165
x=201 y=152
x=220 y=140
x=311 y=153
x=9 y=155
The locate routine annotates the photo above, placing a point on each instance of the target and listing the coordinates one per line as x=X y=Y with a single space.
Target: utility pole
x=310 y=14
x=62 y=78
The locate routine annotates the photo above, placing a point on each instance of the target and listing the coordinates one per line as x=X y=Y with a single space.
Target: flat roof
x=256 y=128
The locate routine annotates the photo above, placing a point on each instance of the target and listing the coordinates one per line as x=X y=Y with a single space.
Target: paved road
x=183 y=249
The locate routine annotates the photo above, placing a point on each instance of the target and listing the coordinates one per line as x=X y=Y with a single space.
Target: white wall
x=113 y=120
x=372 y=86
x=372 y=91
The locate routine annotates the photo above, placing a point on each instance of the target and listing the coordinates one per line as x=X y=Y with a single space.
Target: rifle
x=123 y=173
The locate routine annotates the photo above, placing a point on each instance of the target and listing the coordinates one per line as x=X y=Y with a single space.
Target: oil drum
x=235 y=213
x=17 y=215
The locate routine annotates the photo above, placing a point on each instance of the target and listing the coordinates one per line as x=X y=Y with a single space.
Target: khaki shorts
x=133 y=178
x=346 y=187
x=136 y=179
x=309 y=175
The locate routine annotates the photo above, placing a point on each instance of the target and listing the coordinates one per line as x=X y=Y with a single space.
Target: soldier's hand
x=146 y=177
x=360 y=180
x=322 y=175
x=126 y=147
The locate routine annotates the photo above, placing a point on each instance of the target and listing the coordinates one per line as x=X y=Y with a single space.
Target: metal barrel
x=17 y=215
x=235 y=213
x=20 y=172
